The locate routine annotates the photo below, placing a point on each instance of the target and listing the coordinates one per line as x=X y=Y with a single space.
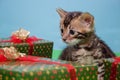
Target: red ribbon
x=114 y=68
x=69 y=67
x=29 y=40
x=2 y=57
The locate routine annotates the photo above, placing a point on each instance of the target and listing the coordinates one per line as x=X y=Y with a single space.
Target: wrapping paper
x=112 y=69
x=35 y=68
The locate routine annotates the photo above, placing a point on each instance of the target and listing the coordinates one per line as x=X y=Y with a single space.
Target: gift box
x=36 y=47
x=112 y=69
x=30 y=45
x=36 y=68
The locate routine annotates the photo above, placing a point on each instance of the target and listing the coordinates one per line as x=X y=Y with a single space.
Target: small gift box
x=112 y=69
x=30 y=45
x=36 y=68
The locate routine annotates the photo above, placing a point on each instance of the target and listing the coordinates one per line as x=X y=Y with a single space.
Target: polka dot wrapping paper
x=112 y=69
x=42 y=48
x=29 y=70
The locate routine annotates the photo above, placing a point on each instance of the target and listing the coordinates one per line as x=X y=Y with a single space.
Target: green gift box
x=39 y=47
x=112 y=69
x=45 y=69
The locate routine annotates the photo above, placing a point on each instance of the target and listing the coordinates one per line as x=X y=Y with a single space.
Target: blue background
x=41 y=19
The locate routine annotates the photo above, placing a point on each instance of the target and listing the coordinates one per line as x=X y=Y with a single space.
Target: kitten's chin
x=72 y=42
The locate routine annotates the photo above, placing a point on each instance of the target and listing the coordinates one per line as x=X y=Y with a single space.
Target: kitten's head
x=76 y=27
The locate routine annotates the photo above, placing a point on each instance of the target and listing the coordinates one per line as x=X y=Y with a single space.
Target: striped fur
x=84 y=47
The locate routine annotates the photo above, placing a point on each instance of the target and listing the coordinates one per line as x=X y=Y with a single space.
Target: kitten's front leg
x=101 y=71
x=99 y=61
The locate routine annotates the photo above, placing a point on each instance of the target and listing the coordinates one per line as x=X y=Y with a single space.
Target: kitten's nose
x=64 y=39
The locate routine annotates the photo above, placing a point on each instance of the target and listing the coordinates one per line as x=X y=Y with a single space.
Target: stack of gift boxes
x=31 y=45
x=38 y=65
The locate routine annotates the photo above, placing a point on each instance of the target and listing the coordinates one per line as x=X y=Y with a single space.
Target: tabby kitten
x=84 y=47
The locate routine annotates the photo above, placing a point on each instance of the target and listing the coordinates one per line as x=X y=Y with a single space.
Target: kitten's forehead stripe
x=70 y=16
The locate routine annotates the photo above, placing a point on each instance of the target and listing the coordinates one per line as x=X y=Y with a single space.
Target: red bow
x=14 y=39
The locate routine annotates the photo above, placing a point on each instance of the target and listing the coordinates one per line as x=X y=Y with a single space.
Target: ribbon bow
x=10 y=53
x=21 y=34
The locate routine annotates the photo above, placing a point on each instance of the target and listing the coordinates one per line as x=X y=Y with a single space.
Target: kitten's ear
x=61 y=12
x=87 y=18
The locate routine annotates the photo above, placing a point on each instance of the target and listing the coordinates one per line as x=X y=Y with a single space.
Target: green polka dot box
x=112 y=69
x=40 y=47
x=50 y=70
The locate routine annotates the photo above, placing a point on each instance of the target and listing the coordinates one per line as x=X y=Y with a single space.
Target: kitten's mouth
x=72 y=42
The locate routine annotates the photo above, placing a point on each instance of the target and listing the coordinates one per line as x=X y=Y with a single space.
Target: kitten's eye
x=61 y=30
x=72 y=32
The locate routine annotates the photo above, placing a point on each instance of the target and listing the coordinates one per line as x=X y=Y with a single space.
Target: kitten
x=84 y=47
